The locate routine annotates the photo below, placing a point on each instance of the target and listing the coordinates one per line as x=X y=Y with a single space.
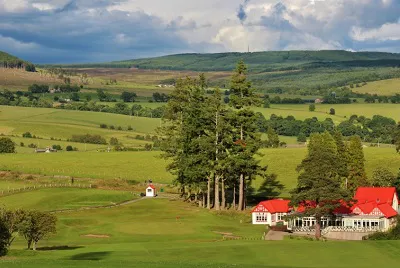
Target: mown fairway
x=64 y=198
x=140 y=166
x=148 y=234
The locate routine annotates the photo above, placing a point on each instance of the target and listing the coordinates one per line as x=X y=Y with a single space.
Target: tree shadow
x=58 y=248
x=270 y=188
x=90 y=256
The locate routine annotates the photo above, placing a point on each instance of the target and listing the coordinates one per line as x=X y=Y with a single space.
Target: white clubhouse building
x=375 y=209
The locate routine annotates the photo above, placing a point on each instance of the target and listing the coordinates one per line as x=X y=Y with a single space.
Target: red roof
x=274 y=206
x=151 y=186
x=377 y=195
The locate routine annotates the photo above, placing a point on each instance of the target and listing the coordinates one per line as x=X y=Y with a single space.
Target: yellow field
x=383 y=87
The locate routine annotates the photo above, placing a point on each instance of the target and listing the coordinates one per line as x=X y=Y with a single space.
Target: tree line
x=32 y=225
x=376 y=129
x=212 y=146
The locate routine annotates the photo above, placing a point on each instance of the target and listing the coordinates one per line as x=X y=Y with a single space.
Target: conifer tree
x=343 y=157
x=242 y=97
x=356 y=169
x=318 y=186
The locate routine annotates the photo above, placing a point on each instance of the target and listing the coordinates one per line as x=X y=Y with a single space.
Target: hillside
x=260 y=61
x=10 y=61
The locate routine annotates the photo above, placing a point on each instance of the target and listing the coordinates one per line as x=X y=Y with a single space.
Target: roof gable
x=377 y=195
x=273 y=206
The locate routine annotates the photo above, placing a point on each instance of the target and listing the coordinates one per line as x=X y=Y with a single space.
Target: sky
x=83 y=31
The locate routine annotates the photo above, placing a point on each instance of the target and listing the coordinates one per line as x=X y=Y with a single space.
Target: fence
x=11 y=191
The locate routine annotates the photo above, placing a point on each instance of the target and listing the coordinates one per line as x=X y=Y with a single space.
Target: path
x=275 y=235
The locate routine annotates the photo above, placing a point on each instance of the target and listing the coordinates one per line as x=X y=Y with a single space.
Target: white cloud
x=390 y=31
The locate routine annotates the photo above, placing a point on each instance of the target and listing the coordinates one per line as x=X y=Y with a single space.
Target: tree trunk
x=209 y=192
x=204 y=200
x=223 y=197
x=29 y=244
x=216 y=193
x=34 y=245
x=241 y=192
x=234 y=196
x=241 y=180
x=318 y=227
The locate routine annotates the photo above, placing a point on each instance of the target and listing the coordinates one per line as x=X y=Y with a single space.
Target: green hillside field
x=383 y=87
x=150 y=234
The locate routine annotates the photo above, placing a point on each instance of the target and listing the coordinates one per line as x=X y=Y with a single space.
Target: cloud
x=103 y=30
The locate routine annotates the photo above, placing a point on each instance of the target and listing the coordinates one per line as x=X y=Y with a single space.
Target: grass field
x=147 y=234
x=141 y=166
x=64 y=198
x=383 y=87
x=343 y=111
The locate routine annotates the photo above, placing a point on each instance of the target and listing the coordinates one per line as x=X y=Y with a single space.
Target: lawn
x=148 y=234
x=64 y=198
x=140 y=166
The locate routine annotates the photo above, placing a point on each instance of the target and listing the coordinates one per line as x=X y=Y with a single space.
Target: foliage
x=319 y=187
x=356 y=170
x=57 y=147
x=392 y=234
x=311 y=107
x=301 y=137
x=27 y=135
x=128 y=96
x=160 y=97
x=114 y=141
x=37 y=225
x=6 y=145
x=4 y=238
x=332 y=111
x=88 y=138
x=382 y=177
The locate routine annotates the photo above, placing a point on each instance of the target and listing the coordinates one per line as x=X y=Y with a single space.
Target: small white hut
x=151 y=191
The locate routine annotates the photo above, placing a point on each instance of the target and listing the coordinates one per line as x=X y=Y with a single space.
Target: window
x=148 y=190
x=261 y=218
x=280 y=216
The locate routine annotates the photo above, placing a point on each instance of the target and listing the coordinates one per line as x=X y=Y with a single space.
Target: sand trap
x=96 y=236
x=222 y=233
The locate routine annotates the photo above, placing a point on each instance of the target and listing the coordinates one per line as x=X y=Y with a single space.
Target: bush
x=114 y=141
x=103 y=126
x=311 y=108
x=27 y=135
x=94 y=139
x=302 y=137
x=332 y=111
x=119 y=128
x=32 y=145
x=130 y=128
x=57 y=147
x=6 y=146
x=112 y=127
x=69 y=148
x=22 y=144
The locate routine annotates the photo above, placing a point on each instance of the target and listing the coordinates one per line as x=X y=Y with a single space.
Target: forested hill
x=10 y=61
x=260 y=61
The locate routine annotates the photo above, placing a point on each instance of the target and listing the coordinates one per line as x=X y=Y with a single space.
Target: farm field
x=147 y=234
x=343 y=111
x=141 y=166
x=383 y=87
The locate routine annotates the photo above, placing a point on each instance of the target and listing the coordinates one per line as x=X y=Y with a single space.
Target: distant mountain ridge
x=258 y=61
x=10 y=61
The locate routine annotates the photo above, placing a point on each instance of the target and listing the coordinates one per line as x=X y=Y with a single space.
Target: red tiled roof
x=151 y=186
x=377 y=195
x=387 y=210
x=275 y=206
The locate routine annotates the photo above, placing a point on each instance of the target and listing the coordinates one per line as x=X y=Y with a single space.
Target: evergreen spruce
x=356 y=169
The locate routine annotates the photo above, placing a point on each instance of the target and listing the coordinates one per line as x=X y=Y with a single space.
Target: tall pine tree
x=318 y=186
x=356 y=169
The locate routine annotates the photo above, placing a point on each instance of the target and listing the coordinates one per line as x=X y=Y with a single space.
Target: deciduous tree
x=6 y=145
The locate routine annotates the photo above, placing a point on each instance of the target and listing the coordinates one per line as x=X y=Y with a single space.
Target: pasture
x=382 y=87
x=140 y=166
x=148 y=234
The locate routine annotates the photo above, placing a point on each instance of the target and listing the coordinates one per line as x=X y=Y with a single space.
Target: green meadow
x=141 y=166
x=165 y=233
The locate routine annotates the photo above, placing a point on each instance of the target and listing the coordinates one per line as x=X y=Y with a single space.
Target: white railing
x=326 y=230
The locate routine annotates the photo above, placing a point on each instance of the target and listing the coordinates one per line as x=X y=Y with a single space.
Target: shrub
x=103 y=126
x=114 y=141
x=7 y=146
x=302 y=137
x=94 y=139
x=112 y=127
x=57 y=147
x=332 y=111
x=148 y=147
x=69 y=148
x=130 y=128
x=119 y=128
x=32 y=145
x=311 y=108
x=22 y=144
x=27 y=135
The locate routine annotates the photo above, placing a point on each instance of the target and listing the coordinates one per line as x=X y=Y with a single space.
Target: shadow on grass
x=90 y=256
x=58 y=248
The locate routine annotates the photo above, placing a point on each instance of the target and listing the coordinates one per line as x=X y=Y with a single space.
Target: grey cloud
x=241 y=13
